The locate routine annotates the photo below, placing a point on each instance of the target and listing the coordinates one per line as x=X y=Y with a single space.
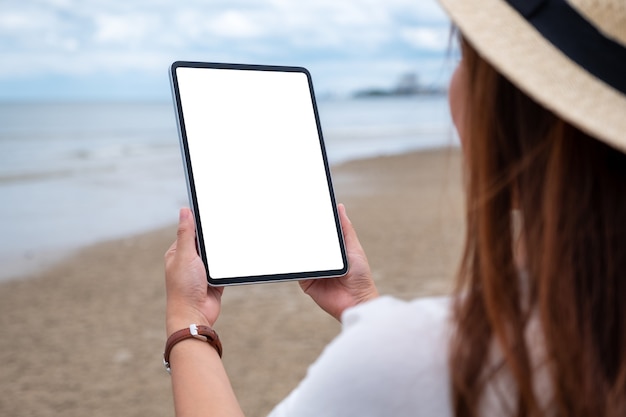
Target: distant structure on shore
x=407 y=85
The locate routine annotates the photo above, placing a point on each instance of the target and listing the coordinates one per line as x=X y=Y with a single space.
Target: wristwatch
x=203 y=333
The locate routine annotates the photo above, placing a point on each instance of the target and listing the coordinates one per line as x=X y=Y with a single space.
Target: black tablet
x=257 y=173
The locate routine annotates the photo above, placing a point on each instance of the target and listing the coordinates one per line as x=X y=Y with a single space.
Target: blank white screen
x=260 y=182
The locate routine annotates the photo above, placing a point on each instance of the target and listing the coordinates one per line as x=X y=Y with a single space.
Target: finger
x=305 y=284
x=349 y=234
x=186 y=241
x=215 y=291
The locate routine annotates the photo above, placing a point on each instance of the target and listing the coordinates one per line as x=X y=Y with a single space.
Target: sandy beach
x=85 y=337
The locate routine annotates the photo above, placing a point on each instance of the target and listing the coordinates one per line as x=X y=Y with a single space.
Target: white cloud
x=130 y=29
x=62 y=37
x=15 y=21
x=235 y=24
x=434 y=39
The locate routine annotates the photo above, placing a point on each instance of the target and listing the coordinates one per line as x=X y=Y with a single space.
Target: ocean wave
x=53 y=174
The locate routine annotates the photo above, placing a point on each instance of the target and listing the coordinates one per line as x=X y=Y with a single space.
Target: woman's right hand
x=335 y=295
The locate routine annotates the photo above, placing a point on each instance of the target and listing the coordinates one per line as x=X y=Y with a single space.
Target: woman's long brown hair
x=570 y=191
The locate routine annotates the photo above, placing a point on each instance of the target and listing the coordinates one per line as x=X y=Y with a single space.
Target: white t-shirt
x=389 y=360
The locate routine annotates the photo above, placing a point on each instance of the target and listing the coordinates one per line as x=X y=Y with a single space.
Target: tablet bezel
x=191 y=188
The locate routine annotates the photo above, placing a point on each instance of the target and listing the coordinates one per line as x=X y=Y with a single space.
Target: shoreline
x=85 y=336
x=32 y=262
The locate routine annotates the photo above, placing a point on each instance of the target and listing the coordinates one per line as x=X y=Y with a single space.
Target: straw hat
x=569 y=55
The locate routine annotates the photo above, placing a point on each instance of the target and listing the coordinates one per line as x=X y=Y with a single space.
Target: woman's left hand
x=189 y=298
x=199 y=380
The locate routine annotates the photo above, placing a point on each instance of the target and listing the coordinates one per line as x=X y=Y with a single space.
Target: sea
x=73 y=174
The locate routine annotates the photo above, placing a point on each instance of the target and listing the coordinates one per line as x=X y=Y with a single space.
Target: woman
x=537 y=325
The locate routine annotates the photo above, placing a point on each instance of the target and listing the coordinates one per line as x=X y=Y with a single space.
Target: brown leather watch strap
x=203 y=333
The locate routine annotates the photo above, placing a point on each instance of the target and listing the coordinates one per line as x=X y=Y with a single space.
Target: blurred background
x=87 y=126
x=89 y=159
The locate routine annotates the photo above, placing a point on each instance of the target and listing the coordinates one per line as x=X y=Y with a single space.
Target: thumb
x=349 y=234
x=186 y=235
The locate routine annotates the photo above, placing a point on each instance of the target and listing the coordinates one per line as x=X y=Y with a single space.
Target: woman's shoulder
x=390 y=359
x=407 y=340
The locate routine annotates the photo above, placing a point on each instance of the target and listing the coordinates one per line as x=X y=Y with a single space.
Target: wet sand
x=85 y=337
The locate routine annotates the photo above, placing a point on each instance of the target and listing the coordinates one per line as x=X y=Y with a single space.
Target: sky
x=121 y=49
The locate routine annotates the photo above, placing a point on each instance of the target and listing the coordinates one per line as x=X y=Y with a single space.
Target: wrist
x=371 y=294
x=199 y=332
x=177 y=319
